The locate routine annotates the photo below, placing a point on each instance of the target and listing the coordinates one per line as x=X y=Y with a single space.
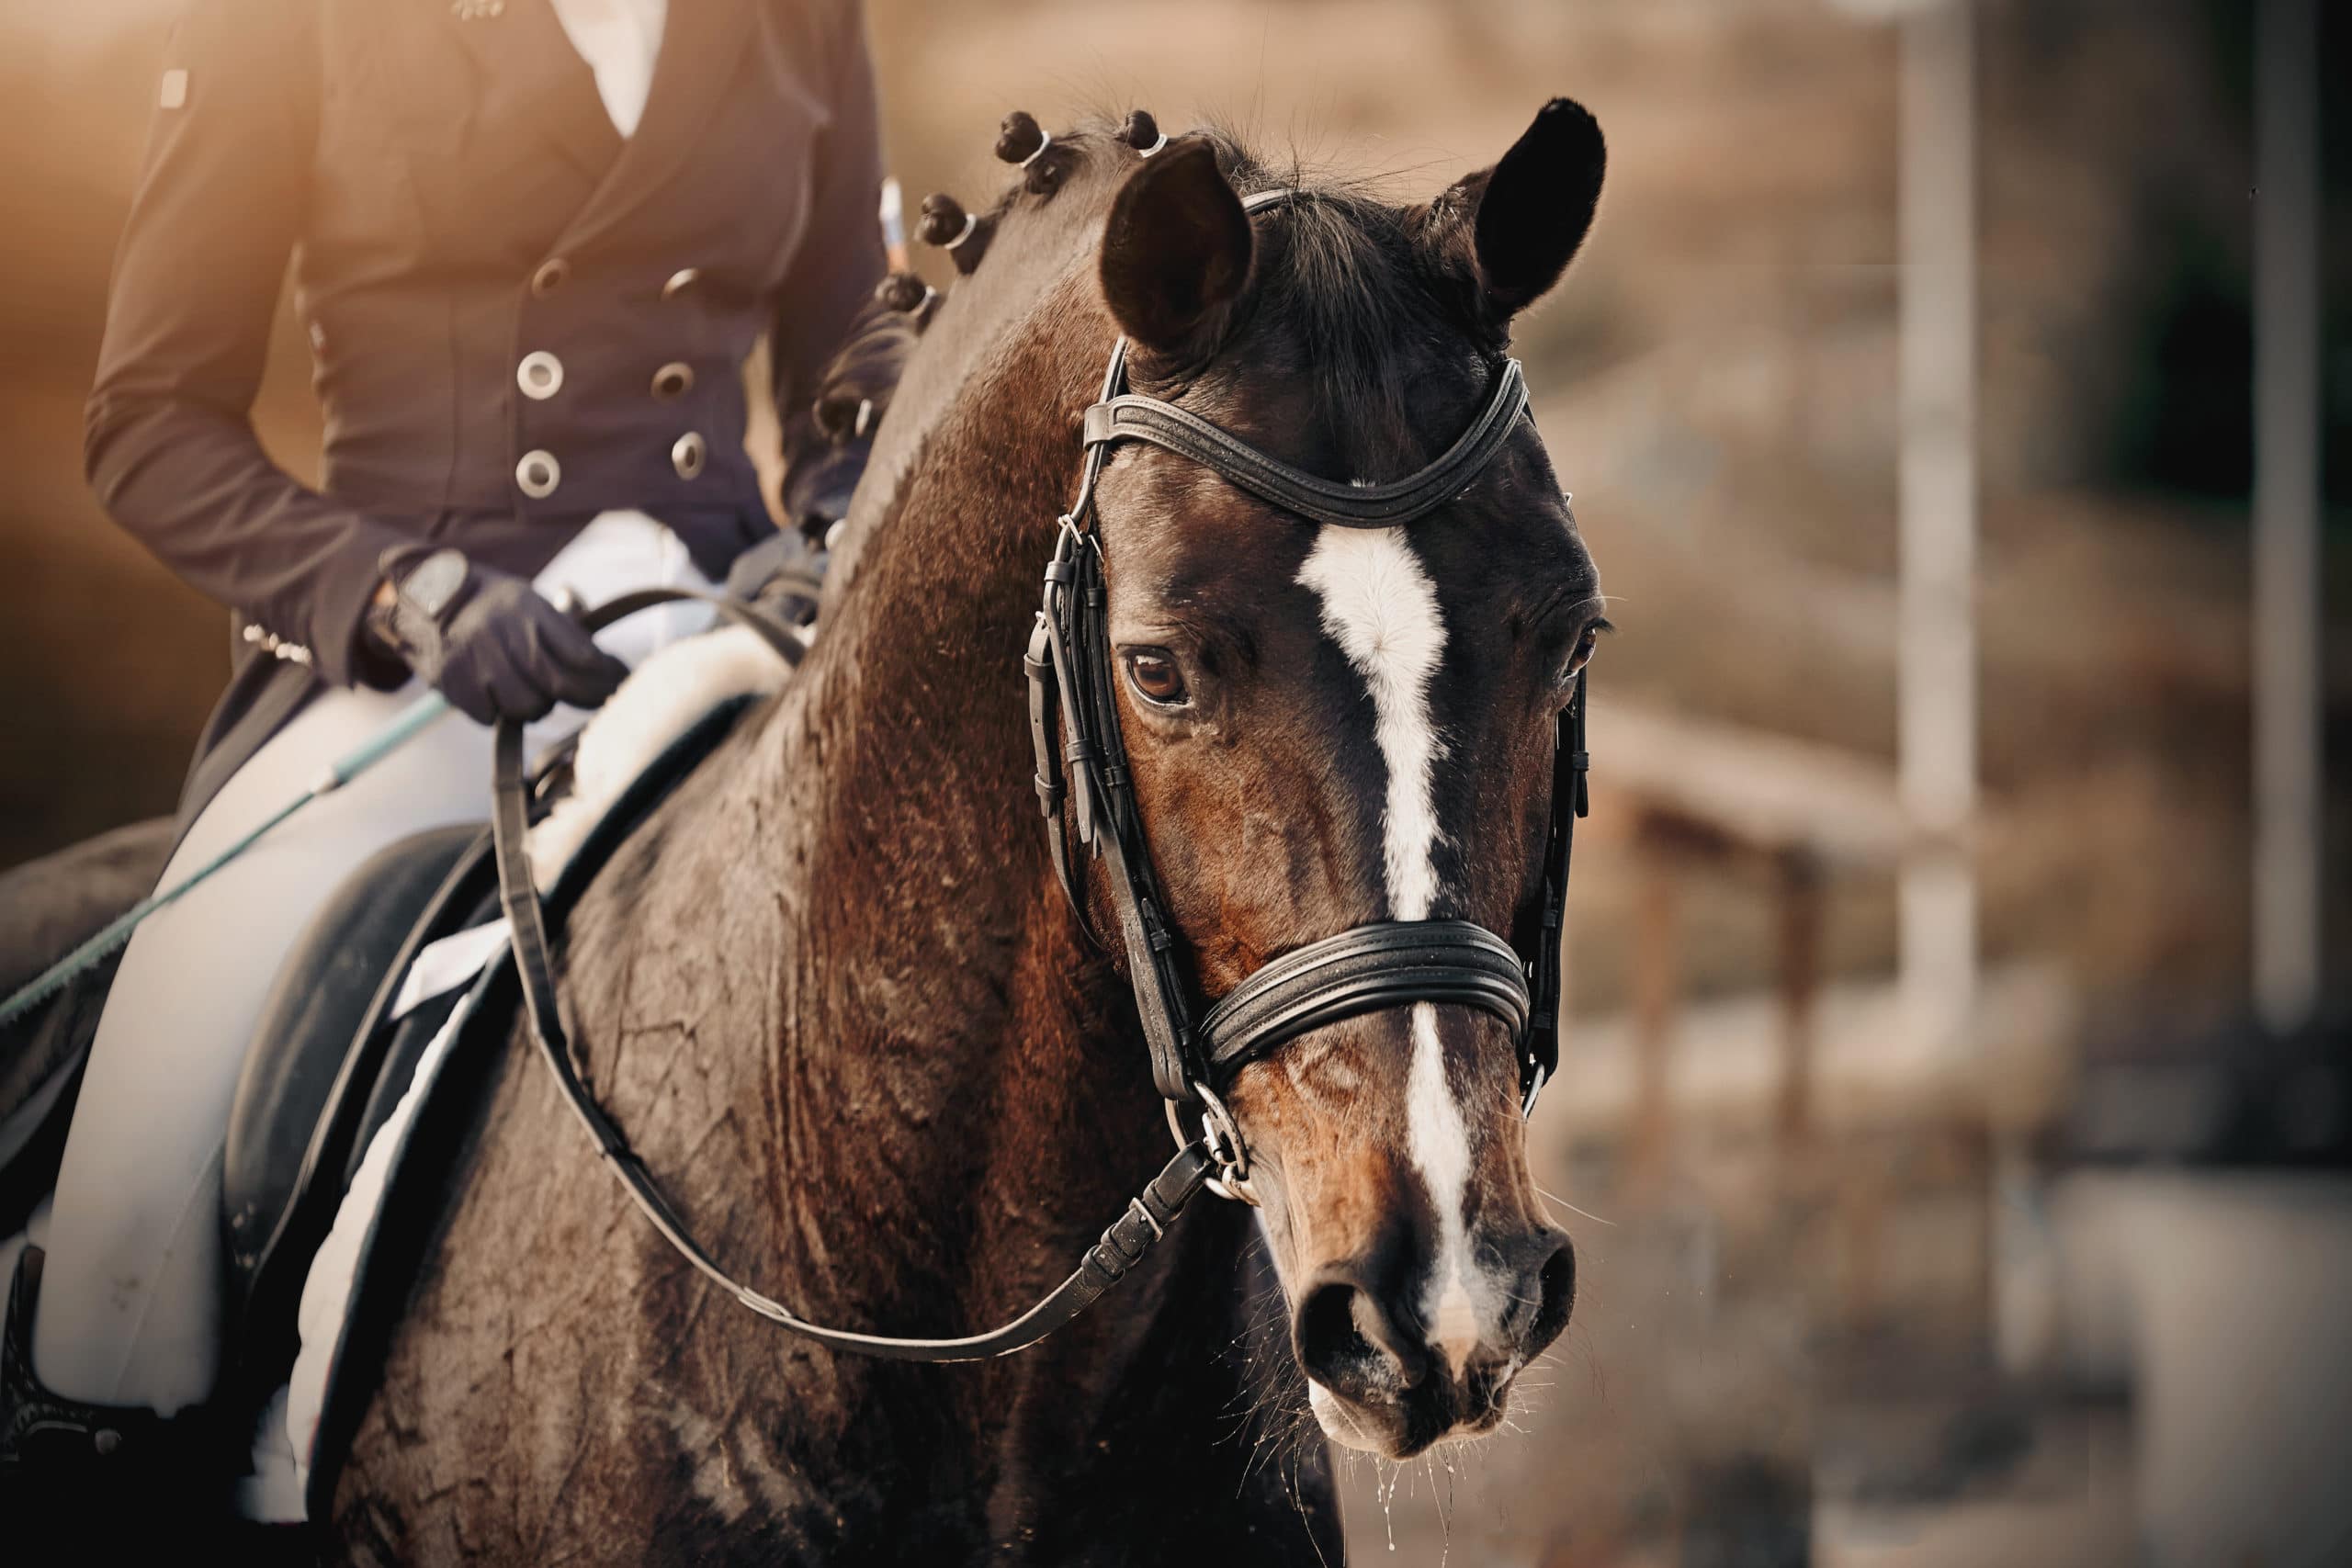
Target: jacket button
x=682 y=278
x=538 y=474
x=541 y=375
x=550 y=275
x=675 y=380
x=688 y=455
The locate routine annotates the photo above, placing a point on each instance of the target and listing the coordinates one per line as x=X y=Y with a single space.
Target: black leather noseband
x=1363 y=970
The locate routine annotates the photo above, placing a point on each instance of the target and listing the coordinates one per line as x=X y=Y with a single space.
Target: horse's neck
x=963 y=1055
x=952 y=1097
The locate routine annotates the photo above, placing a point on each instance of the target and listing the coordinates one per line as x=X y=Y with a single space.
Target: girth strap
x=1131 y=416
x=1363 y=970
x=1124 y=1243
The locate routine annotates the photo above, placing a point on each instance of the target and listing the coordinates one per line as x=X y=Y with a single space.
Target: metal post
x=1797 y=877
x=1936 y=678
x=1657 y=979
x=2286 y=516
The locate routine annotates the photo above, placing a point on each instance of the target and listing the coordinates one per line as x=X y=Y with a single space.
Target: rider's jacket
x=516 y=320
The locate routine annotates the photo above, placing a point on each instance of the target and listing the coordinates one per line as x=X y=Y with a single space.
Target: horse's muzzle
x=1383 y=1380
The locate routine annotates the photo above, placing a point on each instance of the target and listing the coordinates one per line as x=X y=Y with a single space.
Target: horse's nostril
x=1329 y=1341
x=1338 y=1335
x=1555 y=1295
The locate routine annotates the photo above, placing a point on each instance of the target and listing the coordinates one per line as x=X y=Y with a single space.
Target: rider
x=534 y=243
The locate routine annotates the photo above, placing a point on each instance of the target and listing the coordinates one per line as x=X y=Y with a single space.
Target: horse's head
x=1331 y=726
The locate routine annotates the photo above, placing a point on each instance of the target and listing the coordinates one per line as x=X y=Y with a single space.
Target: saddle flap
x=310 y=1051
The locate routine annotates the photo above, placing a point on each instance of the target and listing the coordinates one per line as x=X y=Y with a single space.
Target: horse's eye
x=1154 y=677
x=1582 y=654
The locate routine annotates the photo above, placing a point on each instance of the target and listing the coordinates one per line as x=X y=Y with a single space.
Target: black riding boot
x=72 y=1474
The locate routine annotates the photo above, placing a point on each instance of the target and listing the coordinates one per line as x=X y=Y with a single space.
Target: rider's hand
x=490 y=643
x=826 y=444
x=773 y=573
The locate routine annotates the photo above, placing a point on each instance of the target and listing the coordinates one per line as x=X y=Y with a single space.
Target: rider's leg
x=131 y=1294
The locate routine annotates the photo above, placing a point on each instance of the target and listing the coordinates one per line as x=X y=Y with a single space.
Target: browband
x=1131 y=416
x=1122 y=416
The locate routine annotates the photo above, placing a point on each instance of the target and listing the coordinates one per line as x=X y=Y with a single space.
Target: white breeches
x=132 y=1292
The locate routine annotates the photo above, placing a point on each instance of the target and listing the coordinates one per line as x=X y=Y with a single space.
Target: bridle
x=1070 y=666
x=1086 y=783
x=1085 y=789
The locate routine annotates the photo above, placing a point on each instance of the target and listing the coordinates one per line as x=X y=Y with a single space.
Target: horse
x=834 y=994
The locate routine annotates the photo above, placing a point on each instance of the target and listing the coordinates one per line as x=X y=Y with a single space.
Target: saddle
x=351 y=1121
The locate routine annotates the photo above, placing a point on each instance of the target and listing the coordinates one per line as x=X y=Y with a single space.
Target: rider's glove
x=488 y=641
x=773 y=573
x=827 y=443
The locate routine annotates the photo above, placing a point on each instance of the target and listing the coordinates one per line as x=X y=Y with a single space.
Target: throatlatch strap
x=1125 y=1243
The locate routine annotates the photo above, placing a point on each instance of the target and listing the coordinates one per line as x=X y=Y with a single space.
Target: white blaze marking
x=1440 y=1146
x=1382 y=609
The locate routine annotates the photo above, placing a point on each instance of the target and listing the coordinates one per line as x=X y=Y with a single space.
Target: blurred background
x=1955 y=1124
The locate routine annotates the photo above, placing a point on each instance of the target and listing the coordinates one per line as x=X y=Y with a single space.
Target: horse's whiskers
x=1572 y=1209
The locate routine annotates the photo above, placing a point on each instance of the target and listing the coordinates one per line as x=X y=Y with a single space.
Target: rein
x=1124 y=1243
x=1070 y=669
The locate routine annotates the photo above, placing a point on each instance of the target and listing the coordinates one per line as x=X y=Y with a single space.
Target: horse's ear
x=1176 y=250
x=1513 y=227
